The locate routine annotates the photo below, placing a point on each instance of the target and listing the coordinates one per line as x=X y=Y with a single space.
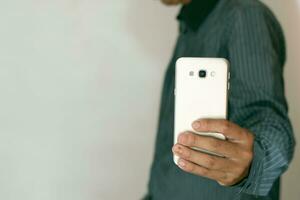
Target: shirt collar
x=195 y=12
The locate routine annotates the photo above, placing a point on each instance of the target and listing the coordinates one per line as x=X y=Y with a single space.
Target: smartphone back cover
x=197 y=97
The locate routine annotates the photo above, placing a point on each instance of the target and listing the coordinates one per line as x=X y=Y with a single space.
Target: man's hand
x=237 y=150
x=175 y=2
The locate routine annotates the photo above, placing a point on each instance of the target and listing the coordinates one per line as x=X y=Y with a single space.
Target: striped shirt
x=247 y=34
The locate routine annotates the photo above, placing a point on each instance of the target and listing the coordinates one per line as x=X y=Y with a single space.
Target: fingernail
x=178 y=150
x=196 y=125
x=181 y=163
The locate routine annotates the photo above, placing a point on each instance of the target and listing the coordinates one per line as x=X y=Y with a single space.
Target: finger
x=227 y=128
x=203 y=159
x=221 y=147
x=193 y=168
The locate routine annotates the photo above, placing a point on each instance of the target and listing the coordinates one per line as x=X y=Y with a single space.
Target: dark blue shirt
x=247 y=34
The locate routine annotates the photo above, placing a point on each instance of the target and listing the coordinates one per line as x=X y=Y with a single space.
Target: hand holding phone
x=212 y=146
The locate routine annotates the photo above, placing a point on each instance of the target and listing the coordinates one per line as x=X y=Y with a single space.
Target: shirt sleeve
x=256 y=51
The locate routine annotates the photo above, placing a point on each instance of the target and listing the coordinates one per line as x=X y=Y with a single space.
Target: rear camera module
x=202 y=73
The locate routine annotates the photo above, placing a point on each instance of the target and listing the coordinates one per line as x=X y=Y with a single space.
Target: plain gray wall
x=80 y=85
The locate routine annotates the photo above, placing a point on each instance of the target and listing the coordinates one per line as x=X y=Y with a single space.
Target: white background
x=80 y=84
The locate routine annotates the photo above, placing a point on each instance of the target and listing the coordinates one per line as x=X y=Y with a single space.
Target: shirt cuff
x=250 y=185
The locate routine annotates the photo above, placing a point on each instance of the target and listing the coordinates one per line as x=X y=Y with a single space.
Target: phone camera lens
x=202 y=73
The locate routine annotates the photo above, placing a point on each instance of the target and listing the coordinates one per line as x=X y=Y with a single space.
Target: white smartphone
x=201 y=91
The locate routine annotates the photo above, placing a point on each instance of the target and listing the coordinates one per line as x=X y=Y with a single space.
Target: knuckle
x=251 y=138
x=248 y=135
x=240 y=170
x=243 y=133
x=230 y=180
x=248 y=155
x=226 y=180
x=226 y=125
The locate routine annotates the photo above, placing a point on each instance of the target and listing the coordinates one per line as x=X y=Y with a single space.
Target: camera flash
x=213 y=73
x=191 y=73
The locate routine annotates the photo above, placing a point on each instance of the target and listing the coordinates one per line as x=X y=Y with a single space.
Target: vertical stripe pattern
x=249 y=36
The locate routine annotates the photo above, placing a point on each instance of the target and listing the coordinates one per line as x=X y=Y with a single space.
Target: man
x=260 y=141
